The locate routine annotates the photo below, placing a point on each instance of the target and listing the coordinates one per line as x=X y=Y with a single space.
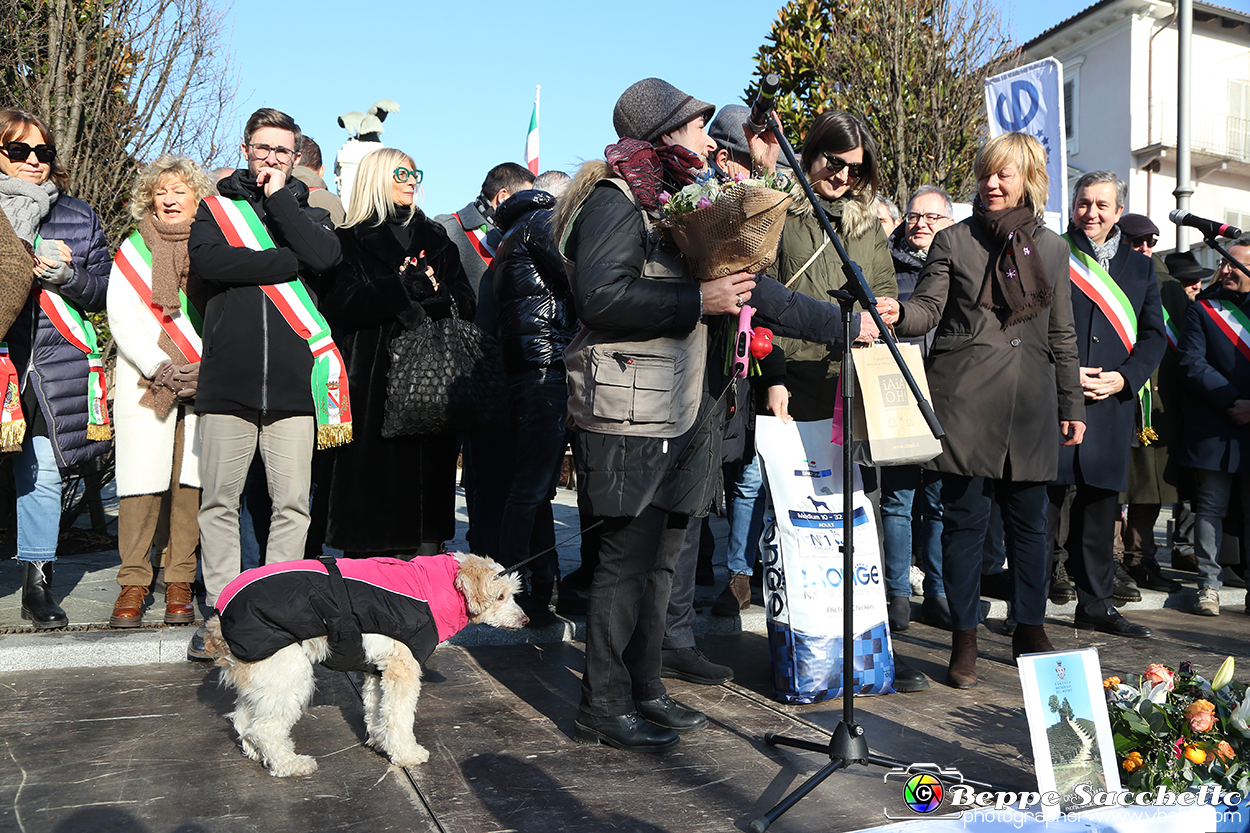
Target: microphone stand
x=848 y=744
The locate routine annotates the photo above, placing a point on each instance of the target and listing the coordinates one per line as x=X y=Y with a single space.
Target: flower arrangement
x=1176 y=729
x=727 y=227
x=707 y=189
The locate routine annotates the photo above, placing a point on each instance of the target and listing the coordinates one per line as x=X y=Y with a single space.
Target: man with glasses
x=254 y=383
x=1215 y=435
x=928 y=211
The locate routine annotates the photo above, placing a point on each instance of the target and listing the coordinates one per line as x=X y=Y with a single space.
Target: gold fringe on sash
x=1147 y=435
x=99 y=433
x=328 y=436
x=11 y=436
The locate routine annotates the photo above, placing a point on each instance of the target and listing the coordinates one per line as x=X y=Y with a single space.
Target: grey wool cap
x=653 y=107
x=726 y=129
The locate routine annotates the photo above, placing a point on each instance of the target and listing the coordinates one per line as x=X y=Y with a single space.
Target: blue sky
x=464 y=73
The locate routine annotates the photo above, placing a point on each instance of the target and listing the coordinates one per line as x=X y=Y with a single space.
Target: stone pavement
x=114 y=730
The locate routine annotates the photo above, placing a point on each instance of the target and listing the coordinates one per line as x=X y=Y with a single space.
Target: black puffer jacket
x=533 y=300
x=253 y=360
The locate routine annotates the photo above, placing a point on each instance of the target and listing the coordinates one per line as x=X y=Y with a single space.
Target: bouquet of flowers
x=1177 y=730
x=727 y=227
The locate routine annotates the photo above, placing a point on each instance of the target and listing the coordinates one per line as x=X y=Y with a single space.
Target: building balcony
x=1217 y=141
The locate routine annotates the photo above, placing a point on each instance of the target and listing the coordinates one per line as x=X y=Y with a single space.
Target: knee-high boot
x=37 y=603
x=962 y=671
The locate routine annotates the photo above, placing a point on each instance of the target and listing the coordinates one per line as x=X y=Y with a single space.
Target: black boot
x=37 y=603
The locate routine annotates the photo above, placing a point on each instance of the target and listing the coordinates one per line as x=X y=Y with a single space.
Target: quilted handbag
x=446 y=376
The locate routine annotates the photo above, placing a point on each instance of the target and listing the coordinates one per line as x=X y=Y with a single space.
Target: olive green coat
x=812 y=369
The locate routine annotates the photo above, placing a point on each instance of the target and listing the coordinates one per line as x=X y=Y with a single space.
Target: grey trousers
x=227 y=444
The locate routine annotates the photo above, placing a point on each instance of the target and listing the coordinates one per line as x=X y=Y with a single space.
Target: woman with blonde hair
x=154 y=307
x=389 y=496
x=1005 y=381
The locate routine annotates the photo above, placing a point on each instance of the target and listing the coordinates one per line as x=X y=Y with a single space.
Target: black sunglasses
x=20 y=152
x=837 y=163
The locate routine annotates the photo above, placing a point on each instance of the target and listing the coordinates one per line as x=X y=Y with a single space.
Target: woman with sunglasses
x=1005 y=378
x=390 y=496
x=69 y=278
x=840 y=159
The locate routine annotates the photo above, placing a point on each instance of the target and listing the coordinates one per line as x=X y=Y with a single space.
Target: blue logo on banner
x=825 y=520
x=1023 y=106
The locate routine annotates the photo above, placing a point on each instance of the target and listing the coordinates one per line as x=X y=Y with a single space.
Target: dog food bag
x=803 y=568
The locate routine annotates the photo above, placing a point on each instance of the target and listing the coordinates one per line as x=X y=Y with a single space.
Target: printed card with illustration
x=1073 y=750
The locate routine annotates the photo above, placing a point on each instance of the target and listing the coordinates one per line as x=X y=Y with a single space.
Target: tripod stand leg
x=763 y=822
x=797 y=743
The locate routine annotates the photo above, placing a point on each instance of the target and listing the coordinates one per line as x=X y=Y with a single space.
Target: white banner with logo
x=803 y=565
x=1029 y=99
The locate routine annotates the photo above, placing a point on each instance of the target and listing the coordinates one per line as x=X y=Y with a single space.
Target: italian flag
x=531 y=138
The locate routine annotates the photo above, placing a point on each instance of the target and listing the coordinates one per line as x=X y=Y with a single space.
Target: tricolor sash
x=242 y=228
x=1093 y=280
x=1231 y=321
x=477 y=239
x=12 y=423
x=1169 y=331
x=78 y=331
x=134 y=261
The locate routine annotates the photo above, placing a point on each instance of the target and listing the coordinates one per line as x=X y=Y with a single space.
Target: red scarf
x=645 y=167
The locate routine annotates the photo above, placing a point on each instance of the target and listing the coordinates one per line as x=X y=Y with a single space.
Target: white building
x=1120 y=68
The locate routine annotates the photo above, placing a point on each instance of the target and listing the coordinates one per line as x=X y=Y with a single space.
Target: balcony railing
x=1215 y=134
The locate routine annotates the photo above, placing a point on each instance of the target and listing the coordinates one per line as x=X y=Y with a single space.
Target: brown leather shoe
x=128 y=609
x=179 y=607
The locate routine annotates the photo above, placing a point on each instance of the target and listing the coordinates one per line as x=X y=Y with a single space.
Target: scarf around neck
x=26 y=204
x=646 y=168
x=171 y=272
x=1017 y=288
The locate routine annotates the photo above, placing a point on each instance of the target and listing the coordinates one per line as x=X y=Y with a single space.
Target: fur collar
x=853 y=216
x=588 y=176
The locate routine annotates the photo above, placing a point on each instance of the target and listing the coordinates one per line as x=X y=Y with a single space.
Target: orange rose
x=1225 y=752
x=1111 y=682
x=1156 y=673
x=1132 y=762
x=1195 y=753
x=1201 y=716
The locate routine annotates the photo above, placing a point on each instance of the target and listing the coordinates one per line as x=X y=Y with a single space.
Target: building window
x=1237 y=219
x=1239 y=119
x=1071 y=107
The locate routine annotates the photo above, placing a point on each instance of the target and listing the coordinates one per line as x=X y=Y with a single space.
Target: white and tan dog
x=271 y=626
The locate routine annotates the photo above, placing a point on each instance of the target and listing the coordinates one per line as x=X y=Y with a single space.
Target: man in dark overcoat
x=1215 y=435
x=1120 y=339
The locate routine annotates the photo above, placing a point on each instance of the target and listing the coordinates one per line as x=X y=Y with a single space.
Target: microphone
x=1209 y=228
x=769 y=85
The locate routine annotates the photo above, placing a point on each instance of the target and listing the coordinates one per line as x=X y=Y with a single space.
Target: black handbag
x=446 y=375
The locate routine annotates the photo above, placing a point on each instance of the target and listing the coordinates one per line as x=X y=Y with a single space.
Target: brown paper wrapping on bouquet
x=737 y=233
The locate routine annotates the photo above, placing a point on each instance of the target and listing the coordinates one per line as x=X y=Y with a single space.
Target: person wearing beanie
x=647 y=398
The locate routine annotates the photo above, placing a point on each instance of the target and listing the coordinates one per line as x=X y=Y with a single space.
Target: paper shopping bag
x=889 y=428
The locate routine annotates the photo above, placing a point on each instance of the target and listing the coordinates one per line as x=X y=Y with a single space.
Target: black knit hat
x=652 y=107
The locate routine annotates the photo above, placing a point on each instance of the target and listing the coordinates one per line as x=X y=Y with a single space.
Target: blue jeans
x=539 y=407
x=898 y=492
x=38 y=500
x=1210 y=507
x=744 y=486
